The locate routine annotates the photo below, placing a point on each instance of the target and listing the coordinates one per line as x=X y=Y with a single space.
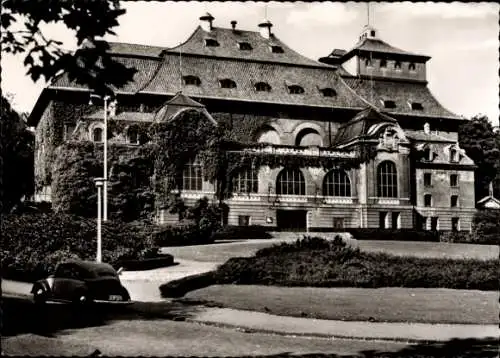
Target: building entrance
x=291 y=220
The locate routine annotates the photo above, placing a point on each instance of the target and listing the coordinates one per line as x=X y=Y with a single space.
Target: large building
x=373 y=93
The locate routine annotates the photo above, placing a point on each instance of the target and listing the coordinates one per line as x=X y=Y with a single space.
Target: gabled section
x=178 y=104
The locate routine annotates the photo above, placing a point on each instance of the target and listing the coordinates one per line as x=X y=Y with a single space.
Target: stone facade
x=374 y=93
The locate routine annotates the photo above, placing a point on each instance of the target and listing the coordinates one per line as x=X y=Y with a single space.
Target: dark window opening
x=455 y=224
x=434 y=223
x=411 y=67
x=338 y=223
x=192 y=80
x=427 y=154
x=368 y=62
x=97 y=134
x=383 y=63
x=389 y=104
x=427 y=200
x=396 y=221
x=453 y=180
x=372 y=33
x=397 y=65
x=243 y=220
x=245 y=46
x=262 y=87
x=417 y=106
x=427 y=179
x=454 y=201
x=294 y=89
x=211 y=43
x=328 y=92
x=277 y=49
x=227 y=83
x=382 y=220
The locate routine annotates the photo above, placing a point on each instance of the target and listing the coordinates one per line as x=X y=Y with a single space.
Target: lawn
x=224 y=251
x=357 y=304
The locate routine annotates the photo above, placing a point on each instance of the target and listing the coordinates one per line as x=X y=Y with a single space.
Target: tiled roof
x=121 y=48
x=431 y=137
x=229 y=39
x=401 y=93
x=358 y=126
x=146 y=68
x=377 y=45
x=174 y=106
x=246 y=75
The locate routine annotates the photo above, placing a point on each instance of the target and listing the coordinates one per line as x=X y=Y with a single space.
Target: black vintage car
x=77 y=281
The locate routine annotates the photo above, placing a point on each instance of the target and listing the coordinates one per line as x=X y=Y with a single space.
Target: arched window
x=387 y=180
x=227 y=83
x=308 y=137
x=397 y=65
x=336 y=183
x=268 y=135
x=245 y=181
x=295 y=89
x=453 y=155
x=412 y=66
x=262 y=87
x=97 y=134
x=192 y=176
x=290 y=182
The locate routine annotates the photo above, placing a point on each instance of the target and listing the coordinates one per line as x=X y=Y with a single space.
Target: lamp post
x=99 y=184
x=105 y=134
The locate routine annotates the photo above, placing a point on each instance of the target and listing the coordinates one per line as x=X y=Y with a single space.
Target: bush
x=182 y=234
x=320 y=263
x=486 y=226
x=32 y=244
x=163 y=260
x=394 y=234
x=253 y=232
x=179 y=288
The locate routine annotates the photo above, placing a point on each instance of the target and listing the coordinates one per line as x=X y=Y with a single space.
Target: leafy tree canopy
x=482 y=145
x=16 y=160
x=22 y=32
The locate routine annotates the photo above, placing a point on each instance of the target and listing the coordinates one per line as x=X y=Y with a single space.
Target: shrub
x=321 y=263
x=179 y=288
x=33 y=243
x=486 y=226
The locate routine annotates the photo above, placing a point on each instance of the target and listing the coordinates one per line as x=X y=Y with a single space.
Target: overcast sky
x=461 y=38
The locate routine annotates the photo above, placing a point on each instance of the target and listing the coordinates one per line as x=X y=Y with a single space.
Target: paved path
x=263 y=322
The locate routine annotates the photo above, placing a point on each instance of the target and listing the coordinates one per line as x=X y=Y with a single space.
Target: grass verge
x=355 y=304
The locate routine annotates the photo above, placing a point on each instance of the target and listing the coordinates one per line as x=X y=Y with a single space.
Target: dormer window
x=397 y=65
x=328 y=92
x=412 y=66
x=295 y=89
x=427 y=154
x=416 y=106
x=211 y=43
x=383 y=63
x=191 y=80
x=368 y=62
x=227 y=83
x=453 y=155
x=133 y=135
x=97 y=135
x=389 y=104
x=372 y=33
x=276 y=49
x=245 y=46
x=262 y=87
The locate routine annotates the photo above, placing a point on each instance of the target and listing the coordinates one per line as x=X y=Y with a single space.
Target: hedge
x=32 y=244
x=180 y=287
x=394 y=234
x=321 y=263
x=254 y=232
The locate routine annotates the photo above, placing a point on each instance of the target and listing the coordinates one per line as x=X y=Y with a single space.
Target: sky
x=461 y=38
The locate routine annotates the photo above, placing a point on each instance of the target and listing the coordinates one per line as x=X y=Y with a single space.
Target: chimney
x=427 y=128
x=206 y=21
x=233 y=24
x=265 y=29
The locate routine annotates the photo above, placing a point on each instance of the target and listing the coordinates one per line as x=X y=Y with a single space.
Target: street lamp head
x=99 y=181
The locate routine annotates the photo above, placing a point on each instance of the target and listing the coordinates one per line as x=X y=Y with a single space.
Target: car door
x=66 y=282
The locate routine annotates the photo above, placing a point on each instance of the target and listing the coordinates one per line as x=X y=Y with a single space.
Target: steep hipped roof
x=229 y=40
x=377 y=45
x=358 y=126
x=402 y=93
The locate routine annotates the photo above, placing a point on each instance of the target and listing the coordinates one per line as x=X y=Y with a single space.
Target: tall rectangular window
x=427 y=200
x=396 y=221
x=453 y=180
x=454 y=201
x=427 y=179
x=455 y=224
x=382 y=220
x=434 y=223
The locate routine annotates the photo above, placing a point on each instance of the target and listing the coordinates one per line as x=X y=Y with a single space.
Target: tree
x=17 y=159
x=482 y=145
x=22 y=32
